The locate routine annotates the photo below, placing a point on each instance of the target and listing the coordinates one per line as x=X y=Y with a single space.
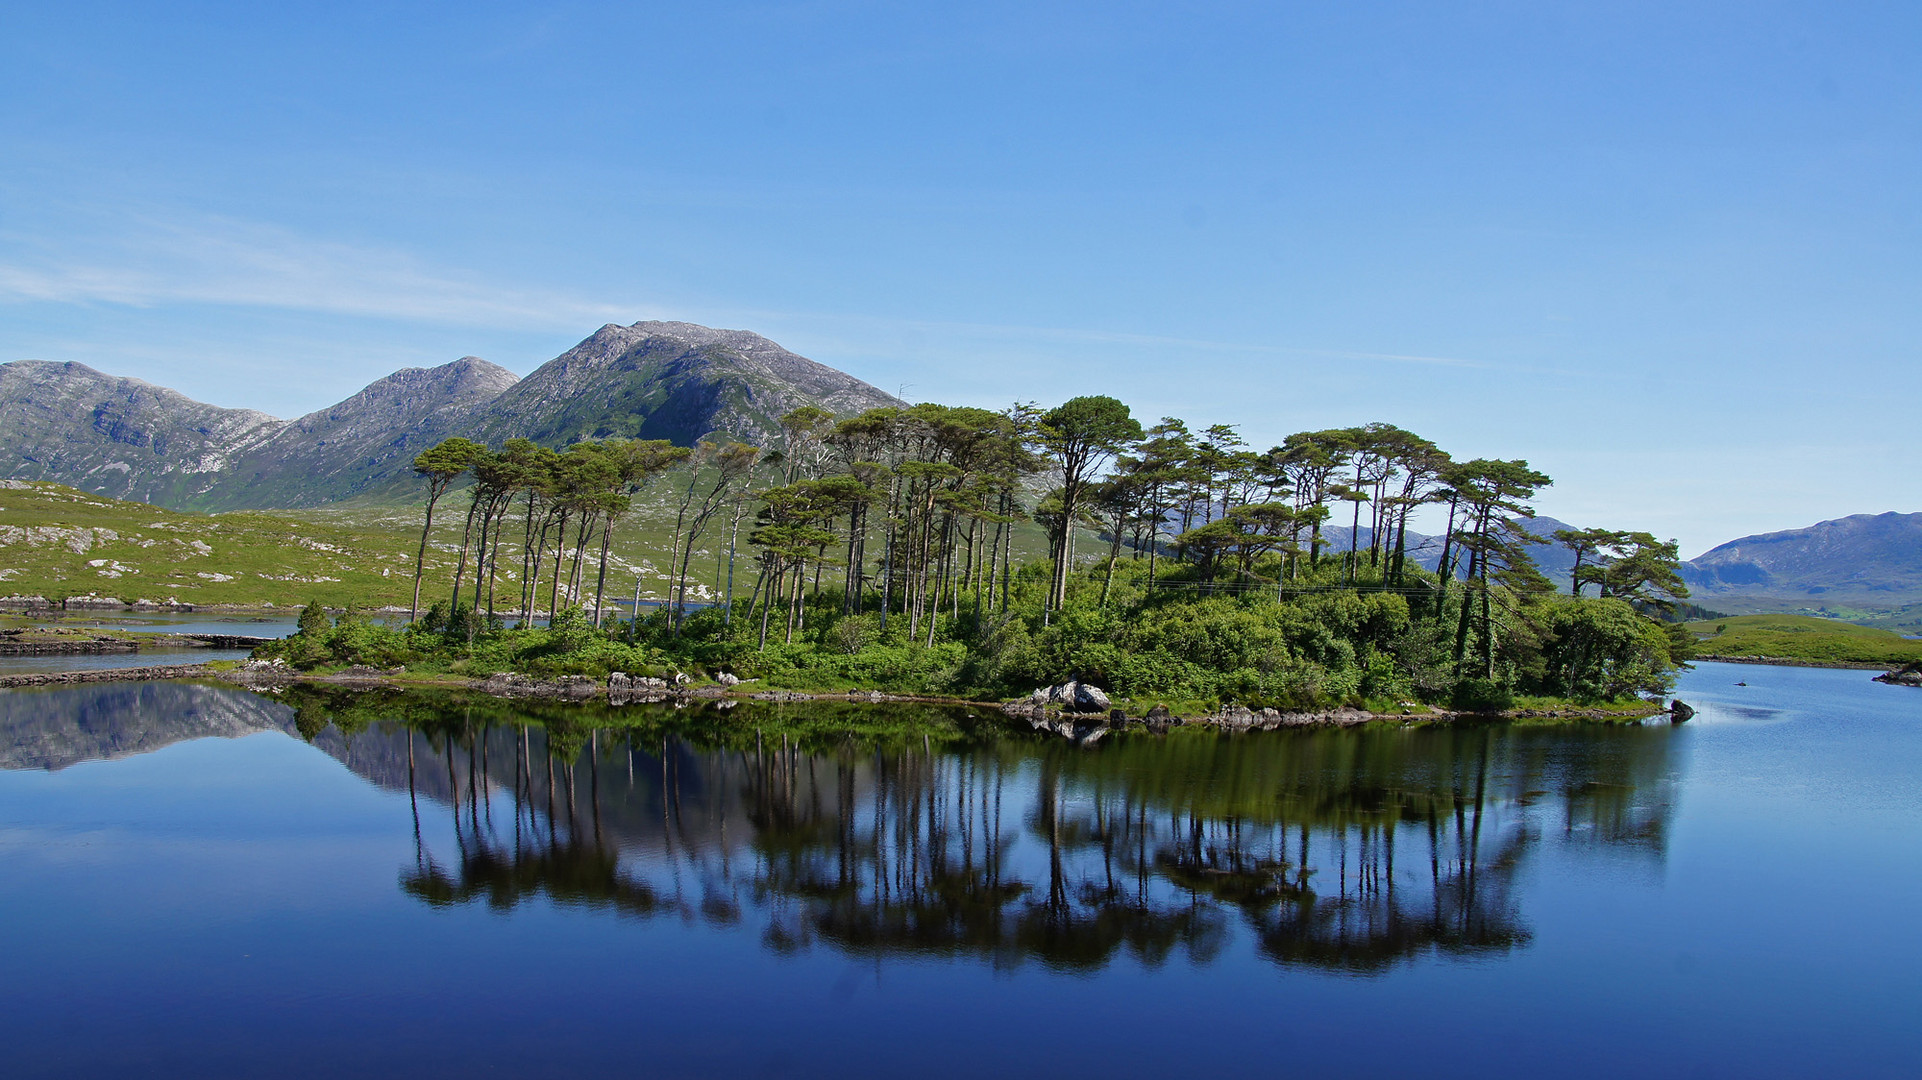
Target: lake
x=201 y=881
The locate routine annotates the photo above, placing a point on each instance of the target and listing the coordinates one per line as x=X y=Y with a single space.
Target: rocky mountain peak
x=657 y=380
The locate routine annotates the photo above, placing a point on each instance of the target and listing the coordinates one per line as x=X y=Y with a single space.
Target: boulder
x=1907 y=675
x=1679 y=712
x=1074 y=697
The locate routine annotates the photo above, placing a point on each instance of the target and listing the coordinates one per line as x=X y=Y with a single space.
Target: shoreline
x=1082 y=728
x=74 y=642
x=1790 y=661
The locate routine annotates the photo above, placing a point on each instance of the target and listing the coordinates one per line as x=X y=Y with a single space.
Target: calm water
x=25 y=665
x=198 y=881
x=169 y=622
x=142 y=622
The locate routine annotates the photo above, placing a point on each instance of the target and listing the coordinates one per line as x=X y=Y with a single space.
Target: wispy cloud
x=151 y=263
x=156 y=260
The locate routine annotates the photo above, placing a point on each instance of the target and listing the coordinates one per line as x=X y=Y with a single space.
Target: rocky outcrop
x=565 y=688
x=1072 y=696
x=1907 y=675
x=132 y=674
x=1241 y=718
x=625 y=689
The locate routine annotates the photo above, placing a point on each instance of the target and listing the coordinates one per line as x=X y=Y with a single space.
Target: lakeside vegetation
x=877 y=553
x=1803 y=637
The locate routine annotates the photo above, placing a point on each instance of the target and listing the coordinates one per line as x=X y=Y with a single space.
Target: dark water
x=197 y=881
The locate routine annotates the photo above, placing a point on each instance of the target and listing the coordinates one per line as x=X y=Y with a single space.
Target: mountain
x=670 y=380
x=658 y=380
x=343 y=451
x=1556 y=562
x=1872 y=559
x=117 y=436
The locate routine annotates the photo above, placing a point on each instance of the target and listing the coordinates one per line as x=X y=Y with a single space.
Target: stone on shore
x=1906 y=675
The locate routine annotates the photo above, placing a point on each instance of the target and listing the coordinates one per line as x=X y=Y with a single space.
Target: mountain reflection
x=1349 y=850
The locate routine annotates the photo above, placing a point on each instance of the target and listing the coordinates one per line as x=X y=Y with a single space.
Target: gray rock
x=1073 y=696
x=1908 y=675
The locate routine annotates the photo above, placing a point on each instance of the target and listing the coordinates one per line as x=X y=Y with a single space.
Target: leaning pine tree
x=441 y=464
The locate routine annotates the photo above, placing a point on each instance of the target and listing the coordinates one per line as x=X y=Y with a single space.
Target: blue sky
x=1667 y=252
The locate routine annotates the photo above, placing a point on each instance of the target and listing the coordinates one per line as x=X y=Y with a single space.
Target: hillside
x=1803 y=637
x=117 y=436
x=1873 y=557
x=58 y=542
x=1865 y=568
x=346 y=450
x=669 y=380
x=128 y=439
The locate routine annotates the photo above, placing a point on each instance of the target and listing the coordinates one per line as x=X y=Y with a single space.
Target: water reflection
x=943 y=835
x=923 y=831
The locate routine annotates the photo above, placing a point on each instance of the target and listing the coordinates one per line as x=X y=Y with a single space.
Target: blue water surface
x=199 y=881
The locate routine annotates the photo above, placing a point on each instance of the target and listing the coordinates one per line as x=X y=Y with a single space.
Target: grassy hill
x=1804 y=637
x=59 y=542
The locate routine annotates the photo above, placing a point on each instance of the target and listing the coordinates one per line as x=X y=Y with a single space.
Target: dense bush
x=1320 y=649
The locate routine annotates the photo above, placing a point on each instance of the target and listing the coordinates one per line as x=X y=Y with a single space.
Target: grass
x=1803 y=637
x=59 y=542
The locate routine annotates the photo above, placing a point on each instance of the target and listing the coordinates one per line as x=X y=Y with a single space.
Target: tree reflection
x=1348 y=850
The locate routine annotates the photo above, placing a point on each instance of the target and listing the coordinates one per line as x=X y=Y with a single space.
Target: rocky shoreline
x=1074 y=712
x=60 y=641
x=133 y=674
x=1907 y=675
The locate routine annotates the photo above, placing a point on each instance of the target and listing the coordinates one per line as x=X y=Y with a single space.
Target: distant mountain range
x=125 y=438
x=1850 y=567
x=655 y=380
x=1869 y=560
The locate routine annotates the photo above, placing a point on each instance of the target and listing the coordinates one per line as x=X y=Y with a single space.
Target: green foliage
x=1482 y=696
x=1242 y=601
x=1601 y=650
x=313 y=620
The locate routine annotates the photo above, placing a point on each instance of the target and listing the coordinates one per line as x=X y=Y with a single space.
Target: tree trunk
x=560 y=554
x=460 y=568
x=600 y=582
x=420 y=562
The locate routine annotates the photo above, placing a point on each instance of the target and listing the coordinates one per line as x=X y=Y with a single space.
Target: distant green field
x=1803 y=637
